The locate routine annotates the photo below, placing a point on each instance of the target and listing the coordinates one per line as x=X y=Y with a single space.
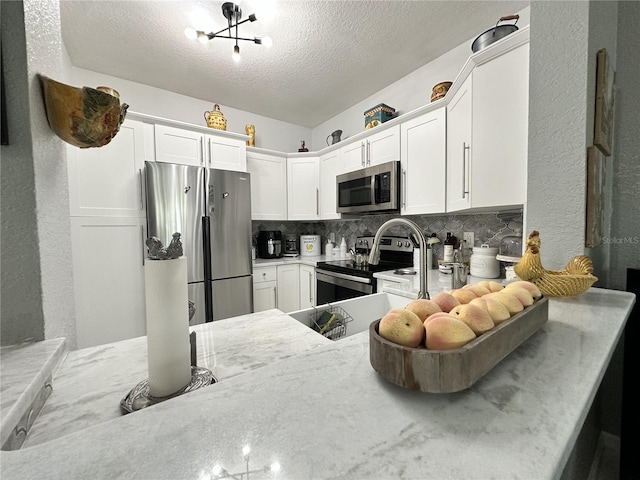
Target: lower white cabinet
x=289 y=287
x=108 y=276
x=307 y=286
x=268 y=186
x=265 y=288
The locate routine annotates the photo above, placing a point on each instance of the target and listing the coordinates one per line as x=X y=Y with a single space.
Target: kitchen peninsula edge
x=325 y=413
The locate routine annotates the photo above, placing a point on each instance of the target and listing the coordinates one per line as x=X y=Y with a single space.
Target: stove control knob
x=406 y=244
x=399 y=243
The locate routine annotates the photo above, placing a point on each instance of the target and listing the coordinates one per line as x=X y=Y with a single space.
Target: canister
x=483 y=262
x=310 y=245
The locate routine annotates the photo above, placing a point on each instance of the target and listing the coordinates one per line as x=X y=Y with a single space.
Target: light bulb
x=202 y=37
x=267 y=41
x=190 y=33
x=217 y=470
x=236 y=58
x=246 y=450
x=275 y=467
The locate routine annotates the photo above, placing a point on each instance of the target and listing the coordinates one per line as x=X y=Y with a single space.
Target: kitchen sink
x=362 y=310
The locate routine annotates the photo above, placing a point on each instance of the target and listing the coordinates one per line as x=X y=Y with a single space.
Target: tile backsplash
x=488 y=228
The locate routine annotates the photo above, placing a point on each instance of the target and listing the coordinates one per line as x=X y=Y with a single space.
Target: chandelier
x=233 y=14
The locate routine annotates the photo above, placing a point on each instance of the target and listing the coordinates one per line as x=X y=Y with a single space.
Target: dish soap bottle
x=328 y=249
x=449 y=246
x=343 y=248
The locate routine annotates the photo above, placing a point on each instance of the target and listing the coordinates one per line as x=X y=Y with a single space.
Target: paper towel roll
x=169 y=351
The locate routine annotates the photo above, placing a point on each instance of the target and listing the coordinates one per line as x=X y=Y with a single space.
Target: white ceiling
x=326 y=55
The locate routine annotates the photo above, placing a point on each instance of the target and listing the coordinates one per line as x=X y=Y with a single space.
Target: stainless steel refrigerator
x=212 y=211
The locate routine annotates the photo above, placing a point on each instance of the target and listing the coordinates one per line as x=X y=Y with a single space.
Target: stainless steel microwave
x=373 y=189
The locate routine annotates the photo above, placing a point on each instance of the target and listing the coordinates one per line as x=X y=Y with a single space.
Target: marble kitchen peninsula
x=325 y=413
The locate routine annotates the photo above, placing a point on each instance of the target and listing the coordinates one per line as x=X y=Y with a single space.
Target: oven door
x=333 y=287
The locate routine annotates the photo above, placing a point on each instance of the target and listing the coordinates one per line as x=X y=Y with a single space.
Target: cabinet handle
x=368 y=154
x=141 y=191
x=202 y=150
x=465 y=148
x=362 y=162
x=317 y=201
x=404 y=189
x=275 y=296
x=209 y=146
x=144 y=250
x=310 y=289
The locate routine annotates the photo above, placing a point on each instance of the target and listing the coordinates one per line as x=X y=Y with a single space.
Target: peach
x=531 y=287
x=402 y=326
x=477 y=318
x=445 y=333
x=436 y=315
x=477 y=289
x=525 y=297
x=445 y=301
x=423 y=308
x=464 y=295
x=498 y=312
x=510 y=301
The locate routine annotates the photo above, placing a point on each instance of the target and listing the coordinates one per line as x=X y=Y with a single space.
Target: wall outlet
x=469 y=238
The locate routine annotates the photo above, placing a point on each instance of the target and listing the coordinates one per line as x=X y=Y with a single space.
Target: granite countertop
x=325 y=413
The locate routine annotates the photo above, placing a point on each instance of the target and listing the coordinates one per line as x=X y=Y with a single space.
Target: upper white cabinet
x=487 y=130
x=108 y=181
x=375 y=148
x=459 y=136
x=329 y=168
x=226 y=153
x=303 y=189
x=500 y=130
x=423 y=163
x=192 y=147
x=268 y=186
x=179 y=145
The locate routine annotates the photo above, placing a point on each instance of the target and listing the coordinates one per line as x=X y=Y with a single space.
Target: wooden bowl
x=84 y=117
x=446 y=371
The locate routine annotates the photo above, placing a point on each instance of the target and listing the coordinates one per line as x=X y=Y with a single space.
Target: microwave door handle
x=376 y=190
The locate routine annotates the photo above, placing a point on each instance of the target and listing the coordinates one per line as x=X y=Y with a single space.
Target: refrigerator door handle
x=212 y=206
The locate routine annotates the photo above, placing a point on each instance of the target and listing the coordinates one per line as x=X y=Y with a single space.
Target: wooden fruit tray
x=446 y=371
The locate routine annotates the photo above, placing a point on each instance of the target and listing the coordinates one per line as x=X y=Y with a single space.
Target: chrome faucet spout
x=374 y=255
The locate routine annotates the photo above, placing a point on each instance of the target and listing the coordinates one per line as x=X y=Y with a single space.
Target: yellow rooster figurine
x=576 y=277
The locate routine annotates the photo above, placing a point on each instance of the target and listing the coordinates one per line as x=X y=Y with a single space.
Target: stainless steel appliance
x=212 y=211
x=373 y=189
x=269 y=244
x=290 y=245
x=342 y=279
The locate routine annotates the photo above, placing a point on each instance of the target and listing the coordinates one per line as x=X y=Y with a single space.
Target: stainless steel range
x=342 y=279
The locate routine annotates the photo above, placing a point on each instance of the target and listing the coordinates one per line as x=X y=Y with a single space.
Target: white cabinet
x=225 y=153
x=268 y=186
x=375 y=148
x=459 y=136
x=487 y=131
x=108 y=181
x=307 y=286
x=329 y=168
x=108 y=277
x=500 y=130
x=289 y=287
x=178 y=145
x=265 y=288
x=303 y=188
x=192 y=147
x=423 y=162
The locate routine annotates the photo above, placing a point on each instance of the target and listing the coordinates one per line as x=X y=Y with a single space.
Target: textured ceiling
x=326 y=55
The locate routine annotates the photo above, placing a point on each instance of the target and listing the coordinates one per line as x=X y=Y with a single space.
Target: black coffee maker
x=269 y=244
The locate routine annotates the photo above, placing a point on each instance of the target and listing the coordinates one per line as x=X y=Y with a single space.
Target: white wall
x=558 y=97
x=409 y=93
x=37 y=282
x=270 y=133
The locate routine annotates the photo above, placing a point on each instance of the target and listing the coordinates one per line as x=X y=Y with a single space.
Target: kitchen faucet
x=374 y=255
